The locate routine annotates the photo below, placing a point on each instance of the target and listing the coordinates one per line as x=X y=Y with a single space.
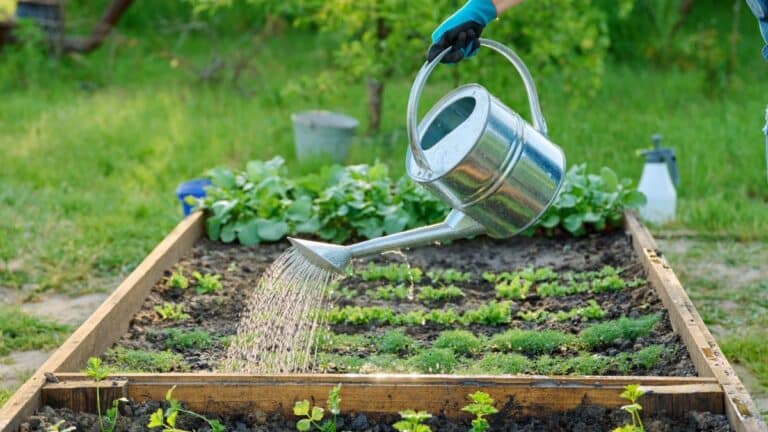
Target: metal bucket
x=482 y=158
x=323 y=134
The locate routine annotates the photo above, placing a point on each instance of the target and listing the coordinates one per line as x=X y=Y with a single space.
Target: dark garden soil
x=587 y=418
x=240 y=268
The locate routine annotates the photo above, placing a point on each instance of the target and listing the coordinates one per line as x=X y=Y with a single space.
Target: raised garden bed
x=688 y=371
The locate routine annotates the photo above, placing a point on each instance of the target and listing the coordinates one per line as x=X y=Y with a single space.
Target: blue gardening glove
x=461 y=31
x=760 y=9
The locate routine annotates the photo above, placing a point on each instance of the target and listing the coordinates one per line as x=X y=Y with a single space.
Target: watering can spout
x=336 y=258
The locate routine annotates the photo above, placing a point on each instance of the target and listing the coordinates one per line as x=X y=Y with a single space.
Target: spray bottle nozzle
x=665 y=155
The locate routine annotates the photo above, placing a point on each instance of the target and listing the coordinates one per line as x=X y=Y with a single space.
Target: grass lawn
x=92 y=151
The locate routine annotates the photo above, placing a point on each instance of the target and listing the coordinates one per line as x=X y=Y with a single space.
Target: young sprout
x=57 y=427
x=177 y=280
x=632 y=393
x=313 y=415
x=97 y=372
x=207 y=283
x=412 y=421
x=481 y=406
x=167 y=419
x=171 y=312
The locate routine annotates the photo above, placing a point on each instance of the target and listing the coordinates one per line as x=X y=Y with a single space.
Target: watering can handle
x=421 y=78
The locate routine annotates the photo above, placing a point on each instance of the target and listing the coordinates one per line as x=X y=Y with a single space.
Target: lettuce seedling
x=389 y=292
x=171 y=312
x=167 y=419
x=392 y=273
x=481 y=406
x=492 y=314
x=430 y=294
x=412 y=421
x=177 y=280
x=207 y=283
x=515 y=289
x=449 y=276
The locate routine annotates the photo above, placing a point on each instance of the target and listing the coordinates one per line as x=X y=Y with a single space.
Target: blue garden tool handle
x=412 y=120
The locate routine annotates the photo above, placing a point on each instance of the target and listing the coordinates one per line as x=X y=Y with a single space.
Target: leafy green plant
x=632 y=393
x=492 y=313
x=449 y=276
x=649 y=356
x=178 y=280
x=327 y=340
x=412 y=421
x=313 y=414
x=481 y=406
x=530 y=341
x=623 y=328
x=591 y=202
x=555 y=289
x=261 y=204
x=395 y=342
x=207 y=283
x=390 y=292
x=516 y=289
x=529 y=274
x=171 y=312
x=591 y=311
x=392 y=273
x=167 y=419
x=435 y=361
x=460 y=341
x=431 y=294
x=538 y=315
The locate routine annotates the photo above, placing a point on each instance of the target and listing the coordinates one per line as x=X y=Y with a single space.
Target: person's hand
x=461 y=31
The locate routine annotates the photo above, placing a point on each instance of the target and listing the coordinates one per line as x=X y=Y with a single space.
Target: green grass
x=624 y=328
x=22 y=332
x=750 y=350
x=5 y=394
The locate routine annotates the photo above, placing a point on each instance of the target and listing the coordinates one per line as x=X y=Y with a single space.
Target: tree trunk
x=375 y=90
x=105 y=25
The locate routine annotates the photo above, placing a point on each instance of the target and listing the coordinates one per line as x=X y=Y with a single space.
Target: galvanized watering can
x=497 y=172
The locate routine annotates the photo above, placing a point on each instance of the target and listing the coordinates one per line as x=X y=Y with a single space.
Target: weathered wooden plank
x=110 y=321
x=387 y=395
x=81 y=395
x=686 y=321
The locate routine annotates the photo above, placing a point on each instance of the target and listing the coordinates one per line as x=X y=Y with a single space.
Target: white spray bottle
x=658 y=182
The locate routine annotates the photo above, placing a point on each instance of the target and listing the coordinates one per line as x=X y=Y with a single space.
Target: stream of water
x=277 y=332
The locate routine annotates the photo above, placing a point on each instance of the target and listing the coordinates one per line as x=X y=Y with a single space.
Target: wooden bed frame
x=716 y=389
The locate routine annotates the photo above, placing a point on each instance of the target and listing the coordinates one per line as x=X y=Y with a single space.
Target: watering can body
x=498 y=172
x=482 y=158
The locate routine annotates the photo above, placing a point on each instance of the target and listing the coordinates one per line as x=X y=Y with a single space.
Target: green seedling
x=515 y=289
x=392 y=273
x=608 y=284
x=208 y=283
x=591 y=311
x=180 y=339
x=481 y=406
x=57 y=427
x=538 y=315
x=530 y=341
x=412 y=421
x=492 y=314
x=347 y=293
x=167 y=419
x=329 y=341
x=648 y=356
x=449 y=276
x=98 y=372
x=390 y=292
x=128 y=360
x=607 y=333
x=435 y=361
x=443 y=317
x=460 y=341
x=178 y=280
x=430 y=294
x=503 y=363
x=171 y=312
x=395 y=342
x=632 y=393
x=340 y=363
x=587 y=364
x=313 y=415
